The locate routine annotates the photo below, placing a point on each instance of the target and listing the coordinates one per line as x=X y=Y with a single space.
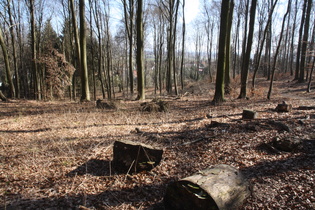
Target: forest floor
x=57 y=155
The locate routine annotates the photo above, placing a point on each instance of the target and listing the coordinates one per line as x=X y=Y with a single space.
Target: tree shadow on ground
x=94 y=167
x=135 y=196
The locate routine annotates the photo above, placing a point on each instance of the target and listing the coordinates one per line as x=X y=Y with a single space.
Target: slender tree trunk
x=310 y=77
x=245 y=66
x=277 y=51
x=228 y=49
x=15 y=64
x=140 y=51
x=34 y=51
x=84 y=71
x=298 y=56
x=292 y=39
x=305 y=40
x=7 y=66
x=183 y=48
x=77 y=43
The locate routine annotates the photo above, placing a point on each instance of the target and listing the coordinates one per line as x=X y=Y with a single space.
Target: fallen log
x=220 y=187
x=306 y=108
x=135 y=157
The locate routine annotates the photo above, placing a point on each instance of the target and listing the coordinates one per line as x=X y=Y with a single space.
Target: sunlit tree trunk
x=140 y=51
x=77 y=43
x=224 y=23
x=85 y=92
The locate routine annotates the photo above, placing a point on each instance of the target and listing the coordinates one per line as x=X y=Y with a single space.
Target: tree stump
x=249 y=115
x=135 y=157
x=288 y=144
x=156 y=105
x=220 y=187
x=100 y=104
x=284 y=107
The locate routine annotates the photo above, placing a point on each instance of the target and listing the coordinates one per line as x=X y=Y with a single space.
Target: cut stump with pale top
x=134 y=157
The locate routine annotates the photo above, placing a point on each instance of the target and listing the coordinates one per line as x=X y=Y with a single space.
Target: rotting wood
x=135 y=156
x=219 y=187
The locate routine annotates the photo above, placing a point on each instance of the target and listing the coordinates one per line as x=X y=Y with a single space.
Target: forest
x=80 y=77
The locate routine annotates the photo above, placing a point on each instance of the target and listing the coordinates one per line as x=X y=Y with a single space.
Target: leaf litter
x=58 y=154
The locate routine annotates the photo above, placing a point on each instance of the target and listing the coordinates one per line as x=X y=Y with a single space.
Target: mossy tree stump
x=220 y=187
x=134 y=157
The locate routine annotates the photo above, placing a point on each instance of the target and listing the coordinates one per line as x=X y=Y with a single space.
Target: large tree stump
x=249 y=115
x=135 y=157
x=220 y=187
x=284 y=107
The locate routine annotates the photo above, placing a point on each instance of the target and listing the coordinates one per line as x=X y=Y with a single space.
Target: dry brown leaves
x=58 y=154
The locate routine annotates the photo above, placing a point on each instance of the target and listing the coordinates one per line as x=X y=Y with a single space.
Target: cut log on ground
x=134 y=157
x=284 y=107
x=220 y=187
x=249 y=115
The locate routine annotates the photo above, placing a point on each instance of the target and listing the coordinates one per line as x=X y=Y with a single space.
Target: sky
x=191 y=10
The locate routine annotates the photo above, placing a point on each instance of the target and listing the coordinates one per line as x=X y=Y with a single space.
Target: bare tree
x=277 y=50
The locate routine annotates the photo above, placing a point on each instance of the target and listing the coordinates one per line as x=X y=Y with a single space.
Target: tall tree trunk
x=140 y=51
x=77 y=43
x=129 y=24
x=38 y=94
x=85 y=92
x=183 y=48
x=292 y=38
x=305 y=41
x=277 y=51
x=298 y=56
x=228 y=48
x=245 y=66
x=7 y=66
x=15 y=64
x=219 y=85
